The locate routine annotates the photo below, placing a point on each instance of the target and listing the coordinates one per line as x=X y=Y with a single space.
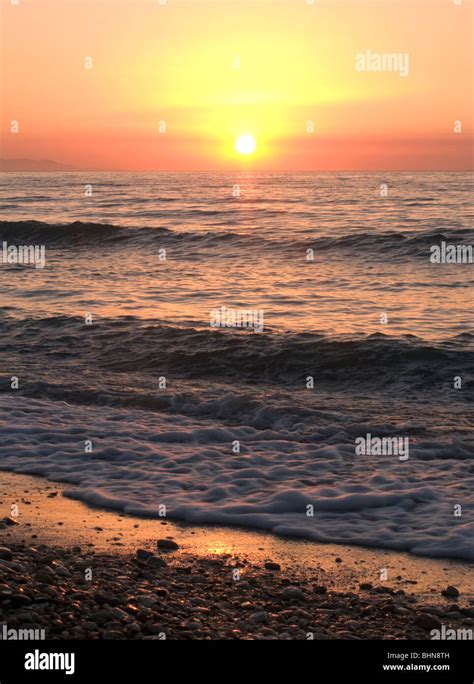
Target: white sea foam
x=141 y=460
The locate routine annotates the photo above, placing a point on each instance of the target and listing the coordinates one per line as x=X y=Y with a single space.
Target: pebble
x=320 y=589
x=147 y=601
x=290 y=593
x=10 y=521
x=259 y=618
x=192 y=597
x=155 y=562
x=119 y=614
x=427 y=621
x=167 y=544
x=45 y=578
x=20 y=600
x=89 y=626
x=269 y=565
x=5 y=554
x=451 y=592
x=143 y=554
x=352 y=624
x=432 y=610
x=100 y=617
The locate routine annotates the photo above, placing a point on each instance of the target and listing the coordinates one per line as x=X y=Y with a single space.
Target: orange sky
x=296 y=62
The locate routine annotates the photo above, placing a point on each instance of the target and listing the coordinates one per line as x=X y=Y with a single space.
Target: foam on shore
x=141 y=461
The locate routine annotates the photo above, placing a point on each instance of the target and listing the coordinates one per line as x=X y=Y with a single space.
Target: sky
x=141 y=85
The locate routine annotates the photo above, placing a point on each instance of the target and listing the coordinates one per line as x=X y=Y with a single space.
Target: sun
x=245 y=144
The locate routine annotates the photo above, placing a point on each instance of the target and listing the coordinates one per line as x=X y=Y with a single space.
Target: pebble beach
x=160 y=585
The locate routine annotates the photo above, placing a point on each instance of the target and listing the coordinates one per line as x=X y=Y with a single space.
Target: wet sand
x=245 y=584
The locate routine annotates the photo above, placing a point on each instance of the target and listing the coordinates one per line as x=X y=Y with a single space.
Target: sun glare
x=245 y=144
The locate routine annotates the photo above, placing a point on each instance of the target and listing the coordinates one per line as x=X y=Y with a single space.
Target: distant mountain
x=33 y=165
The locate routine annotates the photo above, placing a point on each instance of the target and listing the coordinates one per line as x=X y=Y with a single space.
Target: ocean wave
x=140 y=460
x=406 y=244
x=130 y=345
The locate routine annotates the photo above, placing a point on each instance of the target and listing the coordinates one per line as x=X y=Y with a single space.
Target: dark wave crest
x=129 y=345
x=85 y=235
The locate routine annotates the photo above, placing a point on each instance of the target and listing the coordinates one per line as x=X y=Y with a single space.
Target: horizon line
x=229 y=171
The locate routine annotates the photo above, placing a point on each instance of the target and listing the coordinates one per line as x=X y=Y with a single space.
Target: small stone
x=143 y=554
x=259 y=618
x=154 y=562
x=432 y=610
x=213 y=562
x=290 y=593
x=426 y=621
x=100 y=617
x=338 y=560
x=10 y=565
x=119 y=614
x=20 y=600
x=45 y=578
x=156 y=628
x=450 y=592
x=246 y=605
x=10 y=521
x=130 y=608
x=47 y=569
x=352 y=624
x=5 y=554
x=365 y=586
x=147 y=601
x=88 y=626
x=269 y=565
x=167 y=544
x=320 y=589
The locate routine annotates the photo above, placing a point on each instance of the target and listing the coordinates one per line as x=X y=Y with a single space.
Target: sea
x=278 y=351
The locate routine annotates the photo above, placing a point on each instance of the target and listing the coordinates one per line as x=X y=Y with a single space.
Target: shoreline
x=220 y=583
